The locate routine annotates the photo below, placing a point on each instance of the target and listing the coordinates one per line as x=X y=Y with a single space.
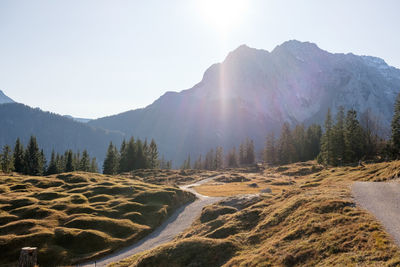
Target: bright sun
x=222 y=14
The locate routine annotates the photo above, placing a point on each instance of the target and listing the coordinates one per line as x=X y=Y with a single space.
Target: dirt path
x=382 y=200
x=174 y=225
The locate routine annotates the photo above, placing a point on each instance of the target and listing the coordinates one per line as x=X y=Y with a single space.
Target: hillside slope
x=53 y=131
x=254 y=91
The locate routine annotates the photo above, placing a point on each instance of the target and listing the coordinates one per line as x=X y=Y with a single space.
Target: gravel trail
x=382 y=200
x=174 y=225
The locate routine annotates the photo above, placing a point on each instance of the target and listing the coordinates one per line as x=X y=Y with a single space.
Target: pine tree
x=286 y=149
x=153 y=155
x=53 y=167
x=371 y=127
x=270 y=150
x=7 y=160
x=33 y=161
x=232 y=158
x=123 y=159
x=43 y=162
x=299 y=141
x=140 y=162
x=69 y=164
x=327 y=154
x=84 y=164
x=354 y=138
x=219 y=158
x=250 y=153
x=198 y=164
x=338 y=141
x=242 y=154
x=93 y=166
x=111 y=161
x=395 y=138
x=19 y=164
x=209 y=160
x=313 y=141
x=131 y=155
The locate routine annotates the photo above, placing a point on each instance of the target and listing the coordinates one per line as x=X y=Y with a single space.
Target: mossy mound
x=74 y=217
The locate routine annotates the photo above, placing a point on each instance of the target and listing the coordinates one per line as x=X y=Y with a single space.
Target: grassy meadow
x=308 y=218
x=74 y=217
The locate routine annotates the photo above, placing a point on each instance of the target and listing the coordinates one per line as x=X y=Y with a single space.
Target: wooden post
x=28 y=257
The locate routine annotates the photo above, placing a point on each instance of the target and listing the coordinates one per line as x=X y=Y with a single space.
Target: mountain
x=83 y=120
x=53 y=131
x=5 y=99
x=254 y=91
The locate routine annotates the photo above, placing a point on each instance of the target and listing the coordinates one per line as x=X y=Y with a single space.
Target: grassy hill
x=77 y=216
x=309 y=218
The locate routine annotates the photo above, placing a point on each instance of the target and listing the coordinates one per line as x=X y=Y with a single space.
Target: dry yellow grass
x=311 y=221
x=78 y=216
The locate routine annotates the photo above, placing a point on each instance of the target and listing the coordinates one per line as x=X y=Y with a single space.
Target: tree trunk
x=28 y=257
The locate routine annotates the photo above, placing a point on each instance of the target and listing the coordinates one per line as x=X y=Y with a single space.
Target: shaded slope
x=53 y=131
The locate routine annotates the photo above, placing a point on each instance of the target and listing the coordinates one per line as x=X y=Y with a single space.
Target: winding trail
x=182 y=218
x=382 y=199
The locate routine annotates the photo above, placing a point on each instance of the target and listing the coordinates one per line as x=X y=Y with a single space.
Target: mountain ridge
x=253 y=91
x=4 y=99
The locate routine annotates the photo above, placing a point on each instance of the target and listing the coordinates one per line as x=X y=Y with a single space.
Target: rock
x=254 y=185
x=266 y=190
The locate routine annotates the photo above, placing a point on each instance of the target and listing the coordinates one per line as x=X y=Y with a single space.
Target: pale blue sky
x=96 y=58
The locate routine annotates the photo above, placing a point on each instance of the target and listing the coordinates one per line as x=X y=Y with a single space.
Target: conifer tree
x=93 y=166
x=327 y=154
x=219 y=158
x=140 y=162
x=242 y=154
x=19 y=164
x=69 y=164
x=270 y=150
x=395 y=138
x=299 y=141
x=131 y=155
x=209 y=160
x=123 y=159
x=339 y=145
x=43 y=162
x=232 y=158
x=313 y=141
x=153 y=155
x=7 y=160
x=250 y=152
x=53 y=167
x=84 y=164
x=110 y=165
x=286 y=149
x=353 y=137
x=186 y=164
x=198 y=164
x=33 y=159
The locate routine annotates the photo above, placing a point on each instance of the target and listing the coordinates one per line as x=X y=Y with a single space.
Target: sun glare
x=222 y=14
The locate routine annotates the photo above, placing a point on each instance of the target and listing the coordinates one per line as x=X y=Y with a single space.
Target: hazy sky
x=96 y=58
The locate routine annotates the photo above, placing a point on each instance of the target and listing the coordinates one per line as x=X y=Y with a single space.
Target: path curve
x=382 y=199
x=182 y=218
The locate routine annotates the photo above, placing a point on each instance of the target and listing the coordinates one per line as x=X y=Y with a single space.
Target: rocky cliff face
x=254 y=91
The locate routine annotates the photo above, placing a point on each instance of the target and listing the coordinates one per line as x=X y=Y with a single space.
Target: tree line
x=346 y=139
x=32 y=161
x=132 y=155
x=215 y=158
